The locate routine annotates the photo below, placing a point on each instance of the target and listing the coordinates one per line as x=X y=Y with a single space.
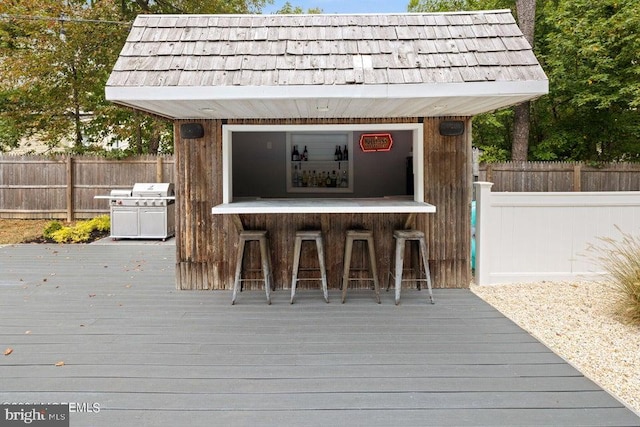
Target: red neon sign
x=371 y=142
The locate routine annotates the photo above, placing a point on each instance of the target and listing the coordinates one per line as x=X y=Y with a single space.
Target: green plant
x=621 y=259
x=81 y=232
x=51 y=228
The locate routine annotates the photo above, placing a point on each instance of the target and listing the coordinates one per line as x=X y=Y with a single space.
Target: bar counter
x=282 y=217
x=322 y=206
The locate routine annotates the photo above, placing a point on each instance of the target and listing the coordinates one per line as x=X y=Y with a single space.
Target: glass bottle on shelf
x=305 y=178
x=295 y=156
x=344 y=182
x=340 y=154
x=345 y=153
x=297 y=179
x=313 y=182
x=334 y=179
x=327 y=179
x=305 y=154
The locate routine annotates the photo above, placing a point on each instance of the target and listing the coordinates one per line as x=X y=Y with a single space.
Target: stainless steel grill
x=145 y=212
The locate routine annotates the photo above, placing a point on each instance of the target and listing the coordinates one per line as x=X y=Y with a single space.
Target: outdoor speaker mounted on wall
x=191 y=131
x=451 y=127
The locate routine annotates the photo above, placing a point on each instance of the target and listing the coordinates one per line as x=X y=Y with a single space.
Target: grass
x=14 y=231
x=621 y=259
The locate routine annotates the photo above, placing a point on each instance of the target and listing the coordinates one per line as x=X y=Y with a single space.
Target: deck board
x=152 y=355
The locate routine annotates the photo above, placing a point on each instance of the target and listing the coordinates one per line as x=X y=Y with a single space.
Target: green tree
x=55 y=58
x=54 y=65
x=590 y=51
x=288 y=9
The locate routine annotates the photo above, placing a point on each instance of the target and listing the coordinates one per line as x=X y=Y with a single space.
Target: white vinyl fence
x=528 y=237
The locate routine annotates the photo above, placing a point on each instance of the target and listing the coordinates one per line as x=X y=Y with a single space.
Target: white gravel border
x=577 y=321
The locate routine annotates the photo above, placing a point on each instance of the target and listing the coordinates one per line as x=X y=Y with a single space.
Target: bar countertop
x=321 y=205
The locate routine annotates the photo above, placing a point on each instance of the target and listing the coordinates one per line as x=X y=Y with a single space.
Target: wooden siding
x=64 y=187
x=207 y=244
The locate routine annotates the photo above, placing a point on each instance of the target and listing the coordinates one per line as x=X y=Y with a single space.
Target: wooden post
x=159 y=174
x=577 y=177
x=70 y=185
x=489 y=173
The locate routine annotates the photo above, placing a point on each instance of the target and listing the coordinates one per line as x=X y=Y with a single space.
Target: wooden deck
x=151 y=355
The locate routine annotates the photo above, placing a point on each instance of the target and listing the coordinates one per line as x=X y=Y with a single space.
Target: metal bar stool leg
x=266 y=267
x=323 y=269
x=236 y=282
x=296 y=264
x=348 y=247
x=425 y=261
x=374 y=267
x=400 y=244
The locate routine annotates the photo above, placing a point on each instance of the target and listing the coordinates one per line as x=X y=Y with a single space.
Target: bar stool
x=403 y=236
x=261 y=237
x=311 y=235
x=367 y=236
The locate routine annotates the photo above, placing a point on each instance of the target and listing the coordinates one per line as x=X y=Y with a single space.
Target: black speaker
x=191 y=131
x=451 y=127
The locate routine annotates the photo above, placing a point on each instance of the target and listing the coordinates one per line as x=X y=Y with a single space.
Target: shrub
x=101 y=223
x=81 y=232
x=51 y=228
x=621 y=259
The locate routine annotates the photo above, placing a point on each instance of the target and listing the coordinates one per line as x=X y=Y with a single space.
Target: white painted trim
x=324 y=205
x=381 y=91
x=418 y=147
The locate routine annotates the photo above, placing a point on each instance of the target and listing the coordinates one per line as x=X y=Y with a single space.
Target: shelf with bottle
x=314 y=178
x=319 y=163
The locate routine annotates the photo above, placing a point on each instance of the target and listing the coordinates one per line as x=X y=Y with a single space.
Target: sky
x=345 y=6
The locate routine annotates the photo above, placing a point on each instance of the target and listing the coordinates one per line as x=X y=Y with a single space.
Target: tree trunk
x=520 y=144
x=526 y=10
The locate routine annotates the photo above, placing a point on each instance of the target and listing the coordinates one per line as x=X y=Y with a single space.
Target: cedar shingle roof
x=288 y=66
x=281 y=50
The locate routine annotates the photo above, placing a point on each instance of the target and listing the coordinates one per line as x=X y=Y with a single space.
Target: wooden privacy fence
x=560 y=176
x=63 y=187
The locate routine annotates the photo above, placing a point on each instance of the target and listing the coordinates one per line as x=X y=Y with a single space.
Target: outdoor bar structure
x=328 y=122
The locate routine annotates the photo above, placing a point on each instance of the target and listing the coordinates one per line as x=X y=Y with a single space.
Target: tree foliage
x=55 y=58
x=288 y=9
x=589 y=51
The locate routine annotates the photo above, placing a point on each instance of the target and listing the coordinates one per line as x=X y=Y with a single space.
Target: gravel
x=577 y=321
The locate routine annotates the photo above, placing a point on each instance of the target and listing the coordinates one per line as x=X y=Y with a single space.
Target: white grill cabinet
x=145 y=212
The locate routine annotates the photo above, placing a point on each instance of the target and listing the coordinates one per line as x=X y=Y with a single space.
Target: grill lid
x=156 y=189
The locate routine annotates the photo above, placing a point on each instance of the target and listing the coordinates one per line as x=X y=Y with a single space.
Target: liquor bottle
x=334 y=179
x=340 y=154
x=313 y=182
x=305 y=178
x=344 y=183
x=336 y=153
x=295 y=156
x=327 y=180
x=305 y=154
x=345 y=153
x=296 y=177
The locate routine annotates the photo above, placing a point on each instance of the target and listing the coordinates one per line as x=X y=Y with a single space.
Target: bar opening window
x=322 y=161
